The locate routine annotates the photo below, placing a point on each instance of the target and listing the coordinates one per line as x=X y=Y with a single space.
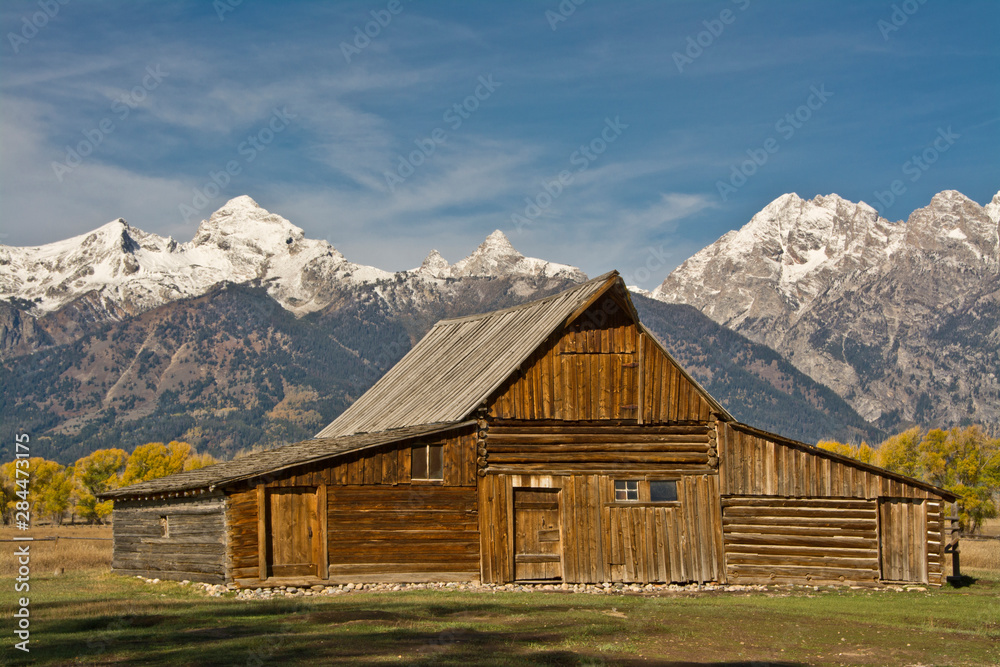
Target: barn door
x=294 y=540
x=903 y=539
x=537 y=547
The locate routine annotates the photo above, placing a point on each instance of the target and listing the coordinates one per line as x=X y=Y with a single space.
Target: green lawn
x=97 y=618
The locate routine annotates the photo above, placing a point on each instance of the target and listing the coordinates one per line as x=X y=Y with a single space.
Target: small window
x=427 y=462
x=662 y=492
x=164 y=526
x=626 y=489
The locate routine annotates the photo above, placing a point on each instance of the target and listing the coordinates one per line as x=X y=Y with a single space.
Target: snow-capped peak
x=434 y=265
x=240 y=242
x=497 y=257
x=792 y=245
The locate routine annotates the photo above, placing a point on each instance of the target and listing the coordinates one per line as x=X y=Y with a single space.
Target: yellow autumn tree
x=195 y=461
x=8 y=495
x=96 y=473
x=967 y=463
x=154 y=459
x=862 y=452
x=50 y=488
x=901 y=452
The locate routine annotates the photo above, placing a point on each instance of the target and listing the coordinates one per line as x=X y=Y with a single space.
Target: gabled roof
x=272 y=461
x=462 y=361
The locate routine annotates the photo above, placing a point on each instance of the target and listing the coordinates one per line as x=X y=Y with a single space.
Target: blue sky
x=595 y=134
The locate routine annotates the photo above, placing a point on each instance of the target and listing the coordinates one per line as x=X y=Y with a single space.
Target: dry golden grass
x=69 y=554
x=991 y=527
x=979 y=554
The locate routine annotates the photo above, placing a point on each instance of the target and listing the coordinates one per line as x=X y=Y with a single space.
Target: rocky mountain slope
x=252 y=334
x=900 y=319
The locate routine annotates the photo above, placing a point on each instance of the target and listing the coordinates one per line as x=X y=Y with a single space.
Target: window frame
x=428 y=465
x=627 y=490
x=644 y=491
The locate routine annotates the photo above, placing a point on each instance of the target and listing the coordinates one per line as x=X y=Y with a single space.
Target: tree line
x=56 y=492
x=965 y=461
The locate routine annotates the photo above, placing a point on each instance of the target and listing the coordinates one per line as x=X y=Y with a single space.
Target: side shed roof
x=273 y=461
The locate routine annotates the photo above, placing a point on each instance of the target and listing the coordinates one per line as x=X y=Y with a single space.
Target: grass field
x=88 y=616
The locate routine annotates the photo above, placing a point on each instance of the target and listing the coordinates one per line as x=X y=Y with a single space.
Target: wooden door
x=903 y=539
x=537 y=546
x=294 y=539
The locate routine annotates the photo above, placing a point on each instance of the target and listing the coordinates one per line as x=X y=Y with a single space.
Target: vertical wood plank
x=262 y=531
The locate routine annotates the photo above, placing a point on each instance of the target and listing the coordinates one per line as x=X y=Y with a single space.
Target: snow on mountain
x=241 y=242
x=899 y=318
x=785 y=257
x=496 y=257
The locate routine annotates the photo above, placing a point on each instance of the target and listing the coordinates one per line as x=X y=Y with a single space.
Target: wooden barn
x=555 y=441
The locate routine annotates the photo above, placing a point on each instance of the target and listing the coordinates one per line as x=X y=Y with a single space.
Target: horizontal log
x=496 y=448
x=756 y=501
x=412 y=554
x=846 y=542
x=633 y=468
x=774 y=512
x=201 y=538
x=817 y=522
x=599 y=457
x=868 y=551
x=243 y=572
x=799 y=573
x=446 y=534
x=615 y=440
x=803 y=561
x=500 y=427
x=395 y=568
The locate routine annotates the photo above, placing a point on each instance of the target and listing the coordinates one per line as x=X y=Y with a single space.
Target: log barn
x=553 y=441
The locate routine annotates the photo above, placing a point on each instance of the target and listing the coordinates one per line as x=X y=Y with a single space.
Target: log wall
x=381 y=526
x=518 y=447
x=794 y=513
x=601 y=367
x=409 y=533
x=797 y=540
x=177 y=539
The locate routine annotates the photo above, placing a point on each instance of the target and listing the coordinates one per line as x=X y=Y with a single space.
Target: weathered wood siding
x=604 y=540
x=665 y=393
x=556 y=448
x=183 y=538
x=600 y=368
x=408 y=533
x=753 y=465
x=381 y=526
x=680 y=542
x=798 y=540
x=793 y=513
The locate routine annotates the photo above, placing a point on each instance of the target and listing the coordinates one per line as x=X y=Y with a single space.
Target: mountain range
x=252 y=334
x=901 y=319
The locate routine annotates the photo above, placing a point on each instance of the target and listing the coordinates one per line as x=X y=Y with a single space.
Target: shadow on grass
x=962 y=581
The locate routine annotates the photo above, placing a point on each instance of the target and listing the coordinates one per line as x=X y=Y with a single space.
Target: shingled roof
x=272 y=461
